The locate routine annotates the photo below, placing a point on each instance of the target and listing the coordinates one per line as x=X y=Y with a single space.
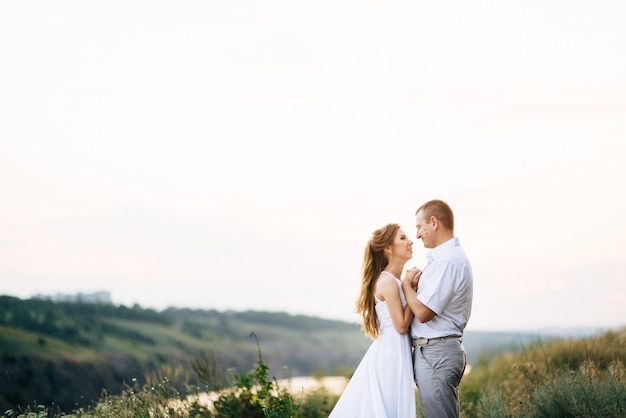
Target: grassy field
x=65 y=354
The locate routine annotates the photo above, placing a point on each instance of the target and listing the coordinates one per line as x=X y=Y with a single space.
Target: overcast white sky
x=238 y=154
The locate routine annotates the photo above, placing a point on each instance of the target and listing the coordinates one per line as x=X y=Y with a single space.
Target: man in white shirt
x=441 y=300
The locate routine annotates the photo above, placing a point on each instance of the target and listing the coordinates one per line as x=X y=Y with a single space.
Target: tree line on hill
x=66 y=353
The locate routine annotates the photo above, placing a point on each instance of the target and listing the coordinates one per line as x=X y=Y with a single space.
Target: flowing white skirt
x=382 y=385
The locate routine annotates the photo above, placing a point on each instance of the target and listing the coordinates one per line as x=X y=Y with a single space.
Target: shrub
x=587 y=392
x=255 y=395
x=317 y=403
x=581 y=378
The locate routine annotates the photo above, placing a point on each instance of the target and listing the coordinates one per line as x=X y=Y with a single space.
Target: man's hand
x=409 y=285
x=411 y=278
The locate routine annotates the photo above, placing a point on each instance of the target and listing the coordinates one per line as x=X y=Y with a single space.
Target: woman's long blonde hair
x=374 y=262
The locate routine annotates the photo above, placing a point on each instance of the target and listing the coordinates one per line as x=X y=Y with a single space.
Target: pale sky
x=238 y=154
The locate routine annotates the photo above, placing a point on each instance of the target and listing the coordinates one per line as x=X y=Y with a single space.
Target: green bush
x=316 y=404
x=255 y=396
x=587 y=392
x=575 y=378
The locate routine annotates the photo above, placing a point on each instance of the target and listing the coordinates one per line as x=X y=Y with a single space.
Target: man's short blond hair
x=440 y=210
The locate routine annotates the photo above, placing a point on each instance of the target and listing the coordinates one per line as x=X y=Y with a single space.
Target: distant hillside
x=65 y=353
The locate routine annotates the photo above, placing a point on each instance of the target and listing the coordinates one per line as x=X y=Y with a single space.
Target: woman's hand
x=412 y=277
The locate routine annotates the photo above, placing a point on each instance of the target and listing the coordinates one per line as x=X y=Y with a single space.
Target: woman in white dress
x=382 y=385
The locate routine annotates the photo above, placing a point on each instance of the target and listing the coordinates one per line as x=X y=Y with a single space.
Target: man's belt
x=424 y=341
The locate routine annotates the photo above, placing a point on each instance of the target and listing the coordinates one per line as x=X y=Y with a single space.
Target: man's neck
x=444 y=238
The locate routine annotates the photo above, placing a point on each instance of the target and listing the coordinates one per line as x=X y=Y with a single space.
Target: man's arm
x=422 y=312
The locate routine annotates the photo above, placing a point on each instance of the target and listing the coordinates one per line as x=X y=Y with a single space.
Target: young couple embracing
x=416 y=322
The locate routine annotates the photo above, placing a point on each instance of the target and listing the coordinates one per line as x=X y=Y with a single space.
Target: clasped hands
x=412 y=278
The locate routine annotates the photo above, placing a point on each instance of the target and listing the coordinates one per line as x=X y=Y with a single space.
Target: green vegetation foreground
x=566 y=378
